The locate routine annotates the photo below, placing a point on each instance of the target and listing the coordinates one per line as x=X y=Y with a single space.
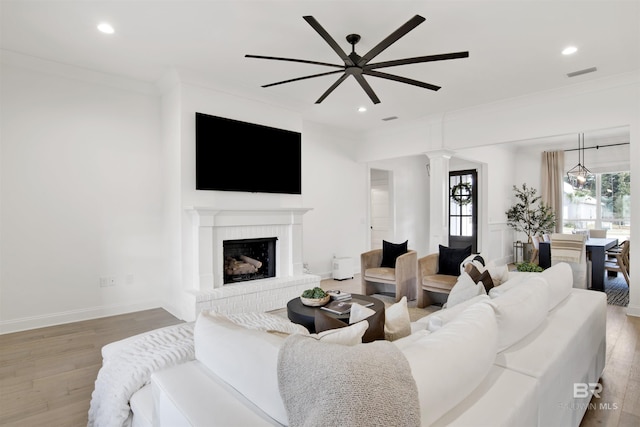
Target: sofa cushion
x=438 y=319
x=189 y=394
x=245 y=358
x=464 y=289
x=381 y=273
x=439 y=281
x=397 y=323
x=450 y=363
x=449 y=259
x=559 y=278
x=391 y=251
x=405 y=342
x=521 y=310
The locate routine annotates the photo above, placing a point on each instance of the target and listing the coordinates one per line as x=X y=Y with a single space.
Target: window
x=603 y=202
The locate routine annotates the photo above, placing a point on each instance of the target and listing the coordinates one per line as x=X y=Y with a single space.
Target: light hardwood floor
x=47 y=375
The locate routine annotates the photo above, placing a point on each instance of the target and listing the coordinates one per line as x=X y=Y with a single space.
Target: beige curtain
x=552 y=182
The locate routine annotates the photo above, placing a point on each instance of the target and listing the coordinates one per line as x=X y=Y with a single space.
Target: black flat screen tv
x=232 y=155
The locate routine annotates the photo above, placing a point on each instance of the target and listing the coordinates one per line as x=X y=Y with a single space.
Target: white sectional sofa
x=510 y=358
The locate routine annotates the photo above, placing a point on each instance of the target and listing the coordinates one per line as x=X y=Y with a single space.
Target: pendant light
x=579 y=174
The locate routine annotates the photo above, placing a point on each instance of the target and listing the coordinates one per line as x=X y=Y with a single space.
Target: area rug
x=617 y=291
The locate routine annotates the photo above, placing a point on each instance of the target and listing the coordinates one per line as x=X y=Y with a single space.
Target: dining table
x=596 y=249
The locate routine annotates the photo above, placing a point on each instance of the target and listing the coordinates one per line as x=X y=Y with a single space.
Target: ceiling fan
x=359 y=66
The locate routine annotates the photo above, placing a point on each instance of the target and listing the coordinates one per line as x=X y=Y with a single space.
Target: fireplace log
x=251 y=261
x=234 y=267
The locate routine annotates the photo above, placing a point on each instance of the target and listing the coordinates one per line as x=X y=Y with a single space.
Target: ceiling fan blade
x=303 y=78
x=331 y=89
x=304 y=61
x=400 y=79
x=417 y=59
x=392 y=38
x=367 y=88
x=323 y=33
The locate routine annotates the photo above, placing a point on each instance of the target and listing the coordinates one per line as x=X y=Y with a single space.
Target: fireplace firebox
x=249 y=259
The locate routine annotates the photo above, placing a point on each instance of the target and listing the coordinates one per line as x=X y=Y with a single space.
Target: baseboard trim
x=633 y=310
x=53 y=319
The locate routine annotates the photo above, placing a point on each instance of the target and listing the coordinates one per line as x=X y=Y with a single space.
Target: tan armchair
x=430 y=281
x=402 y=280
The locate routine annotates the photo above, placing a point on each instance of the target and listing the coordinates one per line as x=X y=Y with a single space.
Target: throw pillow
x=499 y=273
x=477 y=276
x=324 y=322
x=464 y=289
x=350 y=335
x=487 y=281
x=397 y=323
x=391 y=251
x=475 y=259
x=473 y=272
x=449 y=259
x=375 y=331
x=246 y=359
x=359 y=312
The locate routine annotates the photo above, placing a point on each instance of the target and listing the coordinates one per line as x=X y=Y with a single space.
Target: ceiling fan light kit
x=359 y=66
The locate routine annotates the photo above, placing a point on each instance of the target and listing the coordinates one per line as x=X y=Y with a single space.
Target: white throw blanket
x=128 y=370
x=324 y=384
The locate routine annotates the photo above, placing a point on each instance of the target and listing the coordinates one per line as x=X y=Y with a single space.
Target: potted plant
x=529 y=215
x=529 y=267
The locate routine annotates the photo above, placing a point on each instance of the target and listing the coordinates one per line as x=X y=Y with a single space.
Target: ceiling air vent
x=580 y=72
x=386 y=119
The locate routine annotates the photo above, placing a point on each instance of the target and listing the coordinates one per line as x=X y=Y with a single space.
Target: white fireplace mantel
x=211 y=226
x=212 y=217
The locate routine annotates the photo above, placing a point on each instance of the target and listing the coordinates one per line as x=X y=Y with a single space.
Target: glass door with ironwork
x=463 y=209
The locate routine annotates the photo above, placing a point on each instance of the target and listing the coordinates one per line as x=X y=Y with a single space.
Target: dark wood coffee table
x=305 y=316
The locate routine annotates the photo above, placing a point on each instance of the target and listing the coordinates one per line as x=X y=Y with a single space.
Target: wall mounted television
x=232 y=155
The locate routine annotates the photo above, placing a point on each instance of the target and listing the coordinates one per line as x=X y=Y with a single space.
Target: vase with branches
x=529 y=215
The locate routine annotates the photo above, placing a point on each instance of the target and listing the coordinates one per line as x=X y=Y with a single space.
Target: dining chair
x=571 y=248
x=598 y=233
x=536 y=249
x=618 y=260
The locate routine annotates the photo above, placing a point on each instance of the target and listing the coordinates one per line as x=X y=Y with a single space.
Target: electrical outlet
x=106 y=281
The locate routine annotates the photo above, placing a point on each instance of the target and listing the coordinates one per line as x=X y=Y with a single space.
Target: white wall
x=335 y=186
x=410 y=199
x=82 y=196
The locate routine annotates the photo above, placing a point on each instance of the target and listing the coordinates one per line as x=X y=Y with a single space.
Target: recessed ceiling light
x=106 y=28
x=362 y=109
x=569 y=50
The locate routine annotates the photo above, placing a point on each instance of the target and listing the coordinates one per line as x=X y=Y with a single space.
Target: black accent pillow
x=480 y=260
x=391 y=251
x=449 y=259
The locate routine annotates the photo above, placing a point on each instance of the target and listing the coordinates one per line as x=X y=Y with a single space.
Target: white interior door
x=381 y=207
